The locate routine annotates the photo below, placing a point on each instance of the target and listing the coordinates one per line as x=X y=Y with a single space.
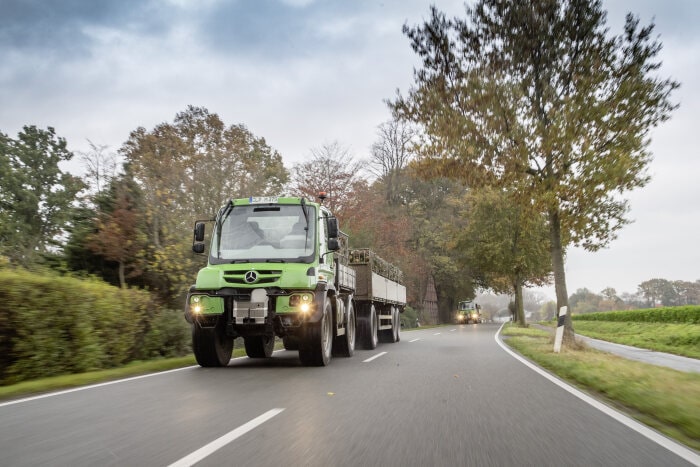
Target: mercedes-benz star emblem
x=251 y=276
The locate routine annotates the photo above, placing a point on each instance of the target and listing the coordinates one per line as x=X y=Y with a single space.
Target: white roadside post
x=559 y=336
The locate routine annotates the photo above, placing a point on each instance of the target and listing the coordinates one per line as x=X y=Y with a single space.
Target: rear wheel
x=344 y=346
x=315 y=347
x=259 y=346
x=211 y=346
x=290 y=343
x=367 y=327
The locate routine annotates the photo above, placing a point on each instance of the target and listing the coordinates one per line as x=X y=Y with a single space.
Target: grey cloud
x=58 y=26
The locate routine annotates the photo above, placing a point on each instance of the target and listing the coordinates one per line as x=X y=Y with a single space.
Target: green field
x=674 y=330
x=678 y=339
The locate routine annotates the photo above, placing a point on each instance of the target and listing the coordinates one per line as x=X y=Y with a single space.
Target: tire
x=211 y=346
x=367 y=326
x=397 y=324
x=316 y=346
x=392 y=335
x=259 y=346
x=344 y=346
x=290 y=343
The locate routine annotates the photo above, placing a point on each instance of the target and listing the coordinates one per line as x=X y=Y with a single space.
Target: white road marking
x=436 y=334
x=414 y=340
x=92 y=386
x=219 y=443
x=643 y=430
x=99 y=385
x=372 y=358
x=452 y=330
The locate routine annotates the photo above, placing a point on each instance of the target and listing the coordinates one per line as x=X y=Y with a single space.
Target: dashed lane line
x=372 y=358
x=222 y=441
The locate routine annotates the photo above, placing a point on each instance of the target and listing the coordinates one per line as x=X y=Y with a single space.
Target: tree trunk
x=519 y=308
x=122 y=279
x=557 y=252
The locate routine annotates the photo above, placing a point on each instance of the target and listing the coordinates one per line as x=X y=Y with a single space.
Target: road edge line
x=671 y=445
x=98 y=385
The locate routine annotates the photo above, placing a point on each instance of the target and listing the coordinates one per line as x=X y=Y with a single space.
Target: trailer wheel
x=367 y=328
x=396 y=316
x=344 y=346
x=211 y=346
x=259 y=346
x=392 y=335
x=315 y=347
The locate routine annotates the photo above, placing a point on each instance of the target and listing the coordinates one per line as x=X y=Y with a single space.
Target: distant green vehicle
x=468 y=312
x=280 y=267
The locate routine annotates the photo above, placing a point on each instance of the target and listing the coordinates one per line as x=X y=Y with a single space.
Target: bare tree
x=100 y=167
x=390 y=155
x=330 y=169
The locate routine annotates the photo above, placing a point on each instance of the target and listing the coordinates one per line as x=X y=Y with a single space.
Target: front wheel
x=315 y=347
x=211 y=346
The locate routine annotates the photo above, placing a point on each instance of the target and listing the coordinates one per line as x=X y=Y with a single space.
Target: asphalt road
x=449 y=396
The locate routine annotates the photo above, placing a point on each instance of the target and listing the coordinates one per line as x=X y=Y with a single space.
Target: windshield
x=265 y=233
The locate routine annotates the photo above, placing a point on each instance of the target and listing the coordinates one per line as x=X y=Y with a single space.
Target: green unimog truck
x=280 y=267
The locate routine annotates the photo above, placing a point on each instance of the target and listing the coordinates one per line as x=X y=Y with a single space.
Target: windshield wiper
x=219 y=224
x=275 y=260
x=306 y=217
x=240 y=261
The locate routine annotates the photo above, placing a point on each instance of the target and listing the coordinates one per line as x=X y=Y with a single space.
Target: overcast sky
x=301 y=73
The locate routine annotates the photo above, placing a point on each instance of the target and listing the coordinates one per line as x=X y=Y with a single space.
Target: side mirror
x=333 y=244
x=198 y=248
x=199 y=232
x=332 y=224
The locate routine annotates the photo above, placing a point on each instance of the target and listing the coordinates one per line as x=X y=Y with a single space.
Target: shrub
x=52 y=325
x=679 y=314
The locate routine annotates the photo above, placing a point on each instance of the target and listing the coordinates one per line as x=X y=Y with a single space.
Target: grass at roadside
x=679 y=339
x=664 y=399
x=674 y=338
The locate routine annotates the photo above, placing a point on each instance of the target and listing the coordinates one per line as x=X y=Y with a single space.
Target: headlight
x=196 y=305
x=302 y=301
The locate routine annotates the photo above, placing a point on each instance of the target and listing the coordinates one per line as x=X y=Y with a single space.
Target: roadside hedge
x=52 y=325
x=678 y=314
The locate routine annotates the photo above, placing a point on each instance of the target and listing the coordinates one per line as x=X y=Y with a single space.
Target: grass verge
x=674 y=338
x=664 y=399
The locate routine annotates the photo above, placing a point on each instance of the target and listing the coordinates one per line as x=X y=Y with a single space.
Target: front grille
x=265 y=276
x=208 y=321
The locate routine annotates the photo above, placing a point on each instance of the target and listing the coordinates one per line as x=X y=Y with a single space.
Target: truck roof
x=270 y=200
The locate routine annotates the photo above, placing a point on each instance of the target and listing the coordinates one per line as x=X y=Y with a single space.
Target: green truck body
x=280 y=267
x=468 y=312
